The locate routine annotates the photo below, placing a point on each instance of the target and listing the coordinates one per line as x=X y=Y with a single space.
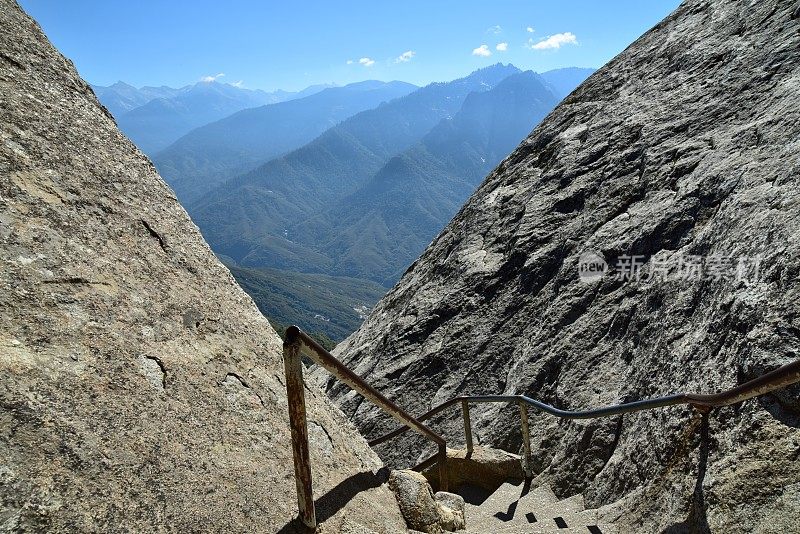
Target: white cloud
x=212 y=78
x=495 y=29
x=350 y=61
x=482 y=50
x=240 y=83
x=367 y=62
x=405 y=57
x=530 y=30
x=553 y=41
x=501 y=47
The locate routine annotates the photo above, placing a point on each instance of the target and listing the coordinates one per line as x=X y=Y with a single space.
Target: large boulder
x=140 y=388
x=482 y=467
x=423 y=510
x=416 y=500
x=682 y=148
x=451 y=511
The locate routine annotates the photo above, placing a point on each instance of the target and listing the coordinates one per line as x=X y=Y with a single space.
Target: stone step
x=501 y=509
x=512 y=508
x=541 y=529
x=539 y=497
x=537 y=530
x=509 y=492
x=582 y=522
x=542 y=511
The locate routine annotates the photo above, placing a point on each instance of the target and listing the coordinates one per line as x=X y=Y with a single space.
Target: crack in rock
x=77 y=280
x=155 y=234
x=233 y=381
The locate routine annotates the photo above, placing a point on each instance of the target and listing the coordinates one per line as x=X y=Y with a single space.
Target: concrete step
x=541 y=529
x=509 y=492
x=540 y=497
x=514 y=508
x=502 y=508
x=544 y=511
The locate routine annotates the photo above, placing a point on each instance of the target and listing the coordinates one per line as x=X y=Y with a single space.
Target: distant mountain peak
x=492 y=75
x=564 y=80
x=119 y=84
x=499 y=67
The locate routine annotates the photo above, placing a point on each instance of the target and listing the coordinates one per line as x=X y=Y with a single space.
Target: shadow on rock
x=337 y=498
x=784 y=406
x=696 y=522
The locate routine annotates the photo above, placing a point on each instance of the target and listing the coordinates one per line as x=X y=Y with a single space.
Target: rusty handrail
x=779 y=378
x=296 y=341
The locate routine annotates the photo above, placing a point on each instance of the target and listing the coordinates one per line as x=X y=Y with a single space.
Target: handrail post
x=295 y=395
x=443 y=475
x=526 y=439
x=467 y=425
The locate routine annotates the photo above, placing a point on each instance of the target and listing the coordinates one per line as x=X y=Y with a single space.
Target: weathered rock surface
x=686 y=144
x=422 y=510
x=416 y=500
x=483 y=467
x=451 y=510
x=140 y=388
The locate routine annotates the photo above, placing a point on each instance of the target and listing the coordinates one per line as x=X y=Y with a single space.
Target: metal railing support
x=526 y=439
x=444 y=481
x=297 y=342
x=467 y=425
x=295 y=395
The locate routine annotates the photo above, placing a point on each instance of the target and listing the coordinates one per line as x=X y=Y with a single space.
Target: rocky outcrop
x=140 y=388
x=482 y=467
x=423 y=510
x=451 y=508
x=683 y=149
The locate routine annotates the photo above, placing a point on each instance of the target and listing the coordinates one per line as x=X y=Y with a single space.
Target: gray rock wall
x=140 y=388
x=686 y=144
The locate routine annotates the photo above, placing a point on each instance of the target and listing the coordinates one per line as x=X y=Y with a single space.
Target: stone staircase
x=515 y=508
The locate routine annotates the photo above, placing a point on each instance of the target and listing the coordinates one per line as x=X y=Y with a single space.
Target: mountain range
x=251 y=217
x=213 y=153
x=362 y=200
x=287 y=212
x=161 y=121
x=154 y=117
x=377 y=231
x=216 y=152
x=335 y=189
x=120 y=97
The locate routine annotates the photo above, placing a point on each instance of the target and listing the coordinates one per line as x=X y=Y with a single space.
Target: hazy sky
x=290 y=45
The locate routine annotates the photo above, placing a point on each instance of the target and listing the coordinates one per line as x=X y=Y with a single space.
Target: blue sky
x=290 y=45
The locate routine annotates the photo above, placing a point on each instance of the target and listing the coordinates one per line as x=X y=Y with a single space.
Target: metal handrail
x=296 y=341
x=779 y=378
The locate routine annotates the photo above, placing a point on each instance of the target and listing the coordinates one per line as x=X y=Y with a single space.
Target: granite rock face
x=684 y=148
x=140 y=388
